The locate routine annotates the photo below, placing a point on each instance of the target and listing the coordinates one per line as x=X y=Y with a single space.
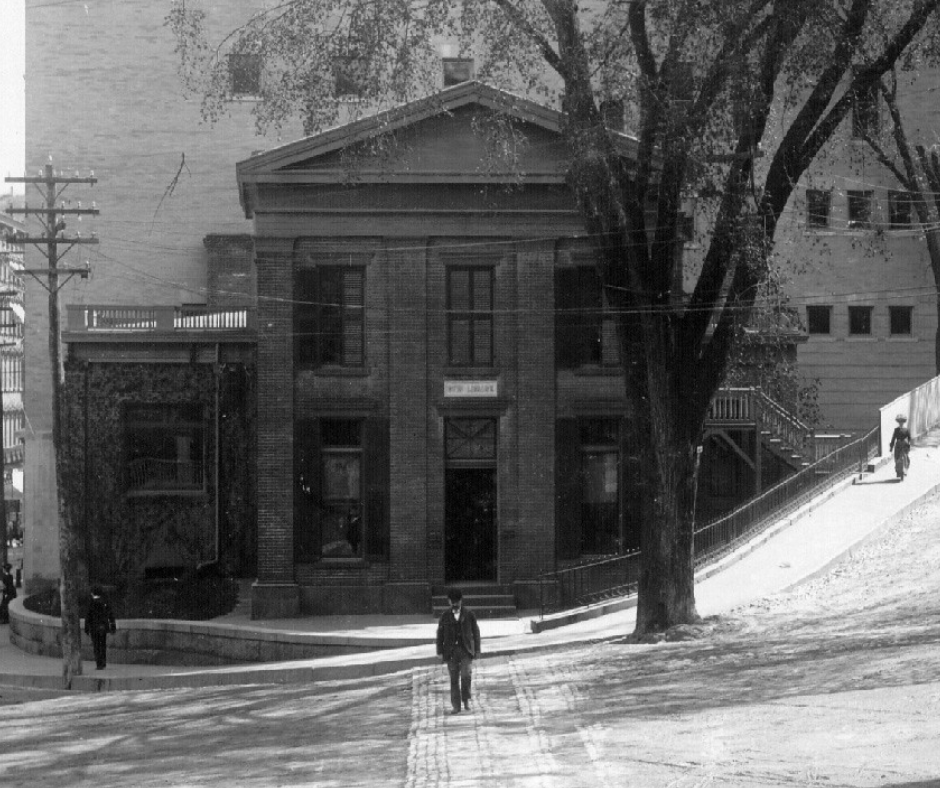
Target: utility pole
x=4 y=534
x=50 y=185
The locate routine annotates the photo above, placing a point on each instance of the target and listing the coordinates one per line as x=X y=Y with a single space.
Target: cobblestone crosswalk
x=525 y=730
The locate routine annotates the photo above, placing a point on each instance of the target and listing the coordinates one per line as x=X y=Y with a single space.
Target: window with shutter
x=585 y=327
x=329 y=316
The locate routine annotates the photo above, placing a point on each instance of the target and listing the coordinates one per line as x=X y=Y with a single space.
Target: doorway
x=470 y=524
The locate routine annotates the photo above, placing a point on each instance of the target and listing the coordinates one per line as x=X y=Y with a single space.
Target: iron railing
x=595 y=581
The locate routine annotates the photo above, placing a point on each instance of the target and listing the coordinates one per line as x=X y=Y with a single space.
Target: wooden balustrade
x=119 y=318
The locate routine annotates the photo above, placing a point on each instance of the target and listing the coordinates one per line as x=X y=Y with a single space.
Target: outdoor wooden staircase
x=781 y=432
x=486 y=600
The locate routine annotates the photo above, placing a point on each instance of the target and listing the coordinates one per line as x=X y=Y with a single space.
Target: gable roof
x=316 y=159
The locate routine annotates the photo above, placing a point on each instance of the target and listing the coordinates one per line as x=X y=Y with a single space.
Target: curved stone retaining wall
x=160 y=642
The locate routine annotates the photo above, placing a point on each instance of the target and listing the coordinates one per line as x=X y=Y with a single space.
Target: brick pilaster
x=275 y=593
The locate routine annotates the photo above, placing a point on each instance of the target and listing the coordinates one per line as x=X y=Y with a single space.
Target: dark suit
x=458 y=642
x=98 y=623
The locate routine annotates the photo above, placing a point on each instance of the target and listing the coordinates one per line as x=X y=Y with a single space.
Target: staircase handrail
x=781 y=422
x=618 y=575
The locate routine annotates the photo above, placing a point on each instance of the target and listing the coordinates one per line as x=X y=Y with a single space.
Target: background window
x=900 y=209
x=585 y=328
x=470 y=316
x=859 y=205
x=350 y=76
x=900 y=319
x=866 y=117
x=244 y=73
x=612 y=111
x=818 y=204
x=457 y=70
x=860 y=320
x=819 y=319
x=329 y=316
x=164 y=447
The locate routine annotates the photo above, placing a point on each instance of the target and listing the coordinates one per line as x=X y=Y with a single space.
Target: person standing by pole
x=8 y=594
x=458 y=644
x=99 y=623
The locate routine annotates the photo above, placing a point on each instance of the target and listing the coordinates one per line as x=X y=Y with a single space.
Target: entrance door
x=470 y=524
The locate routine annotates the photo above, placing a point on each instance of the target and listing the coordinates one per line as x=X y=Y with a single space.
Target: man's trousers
x=459 y=666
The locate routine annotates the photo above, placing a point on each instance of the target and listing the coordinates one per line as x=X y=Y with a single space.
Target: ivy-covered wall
x=124 y=534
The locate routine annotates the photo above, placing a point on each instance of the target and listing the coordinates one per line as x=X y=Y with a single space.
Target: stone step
x=500 y=611
x=486 y=601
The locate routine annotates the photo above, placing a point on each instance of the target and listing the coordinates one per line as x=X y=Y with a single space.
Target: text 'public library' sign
x=470 y=388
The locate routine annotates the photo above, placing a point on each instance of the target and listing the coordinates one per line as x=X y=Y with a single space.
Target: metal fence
x=618 y=576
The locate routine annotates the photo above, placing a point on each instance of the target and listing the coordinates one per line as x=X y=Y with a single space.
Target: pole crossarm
x=46 y=179
x=59 y=239
x=27 y=211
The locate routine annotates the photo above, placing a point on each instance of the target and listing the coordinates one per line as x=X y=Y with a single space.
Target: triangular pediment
x=445 y=137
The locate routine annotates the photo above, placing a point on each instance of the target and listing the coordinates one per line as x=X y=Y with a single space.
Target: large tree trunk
x=666 y=592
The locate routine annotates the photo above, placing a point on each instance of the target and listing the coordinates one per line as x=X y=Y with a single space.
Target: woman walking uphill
x=901 y=446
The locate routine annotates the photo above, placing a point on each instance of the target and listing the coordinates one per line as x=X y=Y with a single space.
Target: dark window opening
x=164 y=448
x=866 y=114
x=585 y=328
x=350 y=77
x=682 y=81
x=457 y=70
x=329 y=316
x=612 y=112
x=860 y=320
x=244 y=74
x=901 y=320
x=818 y=204
x=860 y=209
x=341 y=483
x=470 y=316
x=900 y=209
x=600 y=486
x=819 y=319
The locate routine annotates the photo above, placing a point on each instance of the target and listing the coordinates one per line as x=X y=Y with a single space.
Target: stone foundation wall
x=192 y=643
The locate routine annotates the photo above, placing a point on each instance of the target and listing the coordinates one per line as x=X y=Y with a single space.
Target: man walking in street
x=458 y=644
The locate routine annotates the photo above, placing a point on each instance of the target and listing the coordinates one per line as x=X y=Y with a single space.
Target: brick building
x=406 y=352
x=408 y=370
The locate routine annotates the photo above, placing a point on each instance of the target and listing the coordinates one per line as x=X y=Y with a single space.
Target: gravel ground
x=835 y=683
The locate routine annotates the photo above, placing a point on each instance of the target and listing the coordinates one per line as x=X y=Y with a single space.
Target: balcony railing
x=112 y=318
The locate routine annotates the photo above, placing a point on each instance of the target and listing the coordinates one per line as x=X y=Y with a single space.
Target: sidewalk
x=792 y=551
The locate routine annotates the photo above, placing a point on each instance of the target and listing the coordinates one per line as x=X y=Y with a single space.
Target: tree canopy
x=729 y=100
